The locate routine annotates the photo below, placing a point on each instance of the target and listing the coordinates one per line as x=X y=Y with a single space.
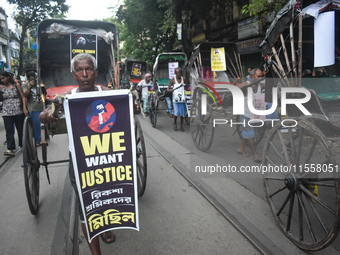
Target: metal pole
x=28 y=40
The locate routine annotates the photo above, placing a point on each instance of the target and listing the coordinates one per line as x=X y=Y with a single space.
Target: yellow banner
x=218 y=59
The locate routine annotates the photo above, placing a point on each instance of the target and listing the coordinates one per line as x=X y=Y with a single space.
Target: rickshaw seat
x=328 y=97
x=326 y=88
x=135 y=80
x=51 y=92
x=163 y=82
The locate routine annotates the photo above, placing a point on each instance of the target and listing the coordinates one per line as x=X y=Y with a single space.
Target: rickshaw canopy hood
x=54 y=55
x=287 y=14
x=59 y=28
x=178 y=56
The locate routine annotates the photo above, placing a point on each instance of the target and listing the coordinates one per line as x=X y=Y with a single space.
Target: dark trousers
x=9 y=122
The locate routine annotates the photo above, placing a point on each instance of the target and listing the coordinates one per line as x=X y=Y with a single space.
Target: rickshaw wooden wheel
x=259 y=132
x=201 y=126
x=141 y=158
x=153 y=110
x=157 y=100
x=303 y=194
x=31 y=166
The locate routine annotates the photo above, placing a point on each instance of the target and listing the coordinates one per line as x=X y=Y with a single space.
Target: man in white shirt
x=176 y=86
x=143 y=85
x=248 y=132
x=84 y=69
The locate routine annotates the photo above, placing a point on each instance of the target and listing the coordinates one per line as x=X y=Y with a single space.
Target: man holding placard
x=102 y=204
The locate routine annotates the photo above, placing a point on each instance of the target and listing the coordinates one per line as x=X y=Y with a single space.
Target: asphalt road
x=181 y=212
x=46 y=232
x=241 y=194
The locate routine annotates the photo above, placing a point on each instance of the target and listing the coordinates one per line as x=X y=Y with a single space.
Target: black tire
x=201 y=126
x=31 y=166
x=153 y=110
x=305 y=204
x=186 y=118
x=157 y=100
x=140 y=158
x=259 y=132
x=188 y=107
x=44 y=158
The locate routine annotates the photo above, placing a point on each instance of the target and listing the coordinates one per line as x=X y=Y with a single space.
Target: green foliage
x=30 y=58
x=59 y=16
x=169 y=19
x=149 y=26
x=140 y=26
x=28 y=13
x=261 y=7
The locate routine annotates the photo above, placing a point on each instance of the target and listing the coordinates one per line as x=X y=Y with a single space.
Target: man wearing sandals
x=13 y=110
x=248 y=132
x=176 y=86
x=84 y=69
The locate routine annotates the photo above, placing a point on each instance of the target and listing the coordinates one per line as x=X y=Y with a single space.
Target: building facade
x=231 y=25
x=5 y=57
x=14 y=50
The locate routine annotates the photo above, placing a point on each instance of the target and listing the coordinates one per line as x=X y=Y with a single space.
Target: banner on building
x=218 y=59
x=101 y=135
x=83 y=43
x=247 y=28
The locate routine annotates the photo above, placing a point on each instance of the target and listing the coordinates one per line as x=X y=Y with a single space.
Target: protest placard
x=101 y=135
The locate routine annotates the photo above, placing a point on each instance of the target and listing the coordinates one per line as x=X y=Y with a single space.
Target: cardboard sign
x=102 y=143
x=83 y=43
x=218 y=59
x=172 y=66
x=136 y=69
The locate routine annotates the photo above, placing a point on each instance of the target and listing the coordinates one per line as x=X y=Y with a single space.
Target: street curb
x=7 y=159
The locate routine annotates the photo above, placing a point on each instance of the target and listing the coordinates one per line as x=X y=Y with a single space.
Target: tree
x=261 y=7
x=141 y=23
x=149 y=26
x=174 y=16
x=28 y=13
x=30 y=58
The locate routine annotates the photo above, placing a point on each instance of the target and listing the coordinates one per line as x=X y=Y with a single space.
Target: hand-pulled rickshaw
x=304 y=195
x=53 y=67
x=163 y=71
x=205 y=80
x=133 y=72
x=300 y=163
